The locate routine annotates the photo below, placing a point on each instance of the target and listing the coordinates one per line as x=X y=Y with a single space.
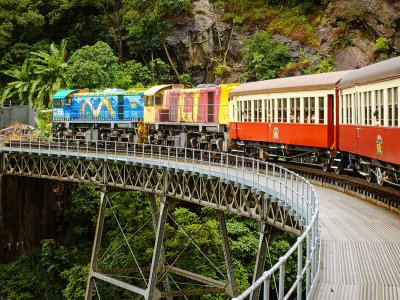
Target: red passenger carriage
x=291 y=118
x=369 y=121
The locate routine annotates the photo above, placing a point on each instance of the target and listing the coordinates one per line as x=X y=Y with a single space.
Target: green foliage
x=138 y=74
x=20 y=20
x=263 y=57
x=21 y=86
x=40 y=76
x=92 y=67
x=76 y=278
x=18 y=279
x=382 y=45
x=185 y=79
x=160 y=71
x=82 y=213
x=322 y=66
x=43 y=122
x=221 y=71
x=355 y=15
x=147 y=22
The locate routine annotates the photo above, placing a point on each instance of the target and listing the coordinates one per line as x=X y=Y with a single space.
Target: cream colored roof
x=313 y=82
x=388 y=69
x=155 y=89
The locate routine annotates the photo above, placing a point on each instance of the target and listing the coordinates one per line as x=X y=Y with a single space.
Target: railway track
x=387 y=196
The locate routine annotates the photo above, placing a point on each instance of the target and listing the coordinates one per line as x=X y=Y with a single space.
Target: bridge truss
x=265 y=192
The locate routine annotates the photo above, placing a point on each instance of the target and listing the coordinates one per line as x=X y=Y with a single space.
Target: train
x=339 y=121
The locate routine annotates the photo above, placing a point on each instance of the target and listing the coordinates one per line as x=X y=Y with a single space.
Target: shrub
x=263 y=57
x=382 y=45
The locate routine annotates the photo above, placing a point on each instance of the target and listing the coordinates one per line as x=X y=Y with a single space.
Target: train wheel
x=379 y=176
x=370 y=176
x=339 y=169
x=326 y=165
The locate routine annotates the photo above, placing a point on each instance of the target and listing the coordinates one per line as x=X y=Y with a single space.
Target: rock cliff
x=347 y=32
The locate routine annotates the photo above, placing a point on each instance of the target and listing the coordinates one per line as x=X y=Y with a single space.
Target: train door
x=121 y=107
x=173 y=104
x=210 y=107
x=330 y=121
x=67 y=107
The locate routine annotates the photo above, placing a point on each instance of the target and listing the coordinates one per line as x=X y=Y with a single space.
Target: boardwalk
x=360 y=249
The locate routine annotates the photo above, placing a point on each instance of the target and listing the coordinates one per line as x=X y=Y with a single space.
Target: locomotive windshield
x=57 y=103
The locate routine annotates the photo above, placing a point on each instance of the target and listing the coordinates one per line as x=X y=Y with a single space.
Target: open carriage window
x=149 y=100
x=157 y=99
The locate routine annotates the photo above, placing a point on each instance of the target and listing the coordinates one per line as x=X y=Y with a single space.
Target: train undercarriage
x=212 y=137
x=126 y=132
x=215 y=138
x=339 y=162
x=289 y=153
x=373 y=170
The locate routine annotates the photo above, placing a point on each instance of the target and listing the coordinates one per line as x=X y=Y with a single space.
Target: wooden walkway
x=360 y=255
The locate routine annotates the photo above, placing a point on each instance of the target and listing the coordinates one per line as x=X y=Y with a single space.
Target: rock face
x=198 y=42
x=28 y=214
x=195 y=40
x=364 y=21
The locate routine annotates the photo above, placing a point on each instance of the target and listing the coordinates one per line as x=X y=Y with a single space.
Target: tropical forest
x=51 y=45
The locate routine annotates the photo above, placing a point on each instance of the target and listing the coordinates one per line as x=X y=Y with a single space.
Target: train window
x=292 y=107
x=271 y=109
x=321 y=110
x=378 y=112
x=367 y=108
x=348 y=108
x=249 y=111
x=312 y=109
x=239 y=111
x=57 y=103
x=149 y=100
x=68 y=101
x=282 y=110
x=257 y=117
x=245 y=115
x=265 y=118
x=158 y=99
x=393 y=107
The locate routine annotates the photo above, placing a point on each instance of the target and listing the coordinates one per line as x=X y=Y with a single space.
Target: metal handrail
x=279 y=182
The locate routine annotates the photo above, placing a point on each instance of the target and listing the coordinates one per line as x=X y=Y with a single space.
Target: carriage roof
x=313 y=82
x=384 y=70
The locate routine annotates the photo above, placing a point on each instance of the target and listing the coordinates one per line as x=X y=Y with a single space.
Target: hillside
x=345 y=34
x=46 y=46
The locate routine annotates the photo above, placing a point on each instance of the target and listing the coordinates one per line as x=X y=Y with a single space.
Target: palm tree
x=39 y=78
x=21 y=86
x=49 y=69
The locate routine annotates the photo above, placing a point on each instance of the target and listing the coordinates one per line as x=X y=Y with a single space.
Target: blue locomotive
x=112 y=114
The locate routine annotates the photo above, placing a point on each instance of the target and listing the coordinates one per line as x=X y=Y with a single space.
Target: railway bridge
x=272 y=195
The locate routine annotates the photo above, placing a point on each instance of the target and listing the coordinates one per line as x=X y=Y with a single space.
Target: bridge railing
x=280 y=183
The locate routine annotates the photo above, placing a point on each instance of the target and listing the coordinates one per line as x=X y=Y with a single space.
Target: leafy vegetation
x=59 y=269
x=263 y=57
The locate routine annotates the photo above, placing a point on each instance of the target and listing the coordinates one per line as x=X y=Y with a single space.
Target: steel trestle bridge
x=270 y=194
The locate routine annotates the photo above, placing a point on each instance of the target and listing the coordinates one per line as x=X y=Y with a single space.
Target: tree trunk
x=169 y=59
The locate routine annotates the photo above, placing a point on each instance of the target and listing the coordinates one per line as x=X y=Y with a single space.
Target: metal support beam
x=154 y=216
x=97 y=242
x=260 y=260
x=232 y=291
x=152 y=292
